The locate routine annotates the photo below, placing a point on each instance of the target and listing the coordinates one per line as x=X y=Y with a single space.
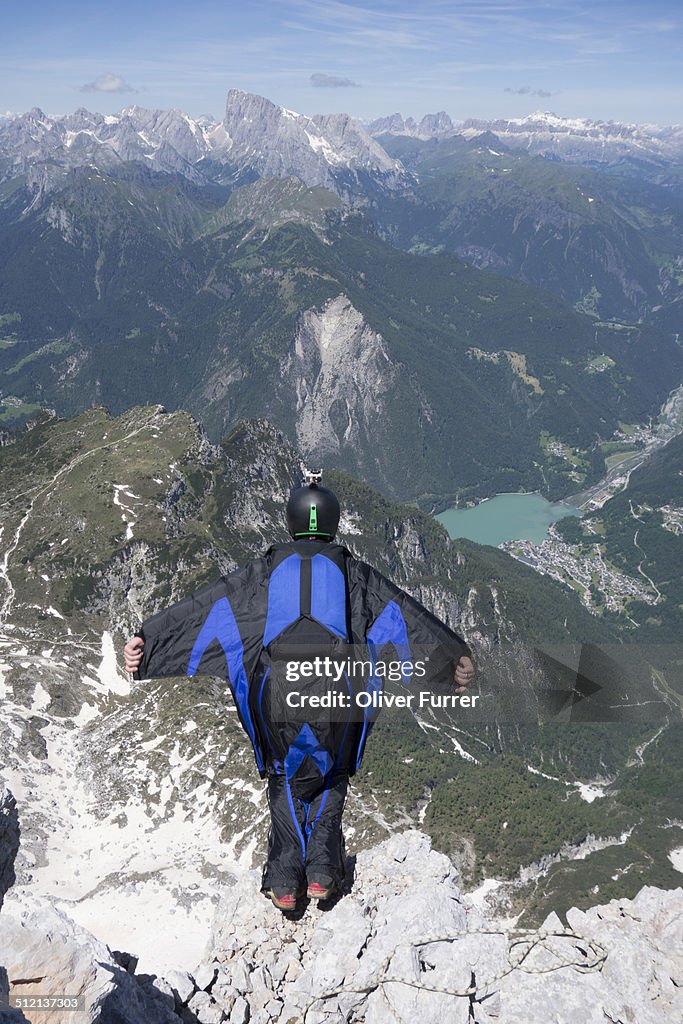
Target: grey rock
x=225 y=995
x=205 y=1008
x=64 y=958
x=640 y=980
x=325 y=150
x=578 y=140
x=182 y=984
x=261 y=979
x=290 y=1012
x=240 y=978
x=273 y=1008
x=336 y=358
x=240 y=1011
x=205 y=975
x=260 y=1017
x=294 y=970
x=429 y=127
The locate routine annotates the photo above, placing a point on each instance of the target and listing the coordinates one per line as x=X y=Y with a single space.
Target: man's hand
x=464 y=673
x=132 y=653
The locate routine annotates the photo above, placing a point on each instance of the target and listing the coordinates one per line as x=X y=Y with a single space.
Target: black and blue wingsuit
x=307 y=597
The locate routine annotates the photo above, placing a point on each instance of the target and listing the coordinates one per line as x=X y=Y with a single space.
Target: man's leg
x=284 y=868
x=325 y=867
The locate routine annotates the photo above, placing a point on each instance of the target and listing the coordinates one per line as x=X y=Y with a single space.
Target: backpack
x=307 y=619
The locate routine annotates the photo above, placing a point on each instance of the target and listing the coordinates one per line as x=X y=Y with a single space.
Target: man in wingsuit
x=309 y=596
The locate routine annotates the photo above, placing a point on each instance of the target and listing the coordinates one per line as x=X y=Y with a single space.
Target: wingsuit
x=310 y=596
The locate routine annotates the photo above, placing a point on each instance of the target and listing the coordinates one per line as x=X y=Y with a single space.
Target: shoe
x=316 y=891
x=285 y=902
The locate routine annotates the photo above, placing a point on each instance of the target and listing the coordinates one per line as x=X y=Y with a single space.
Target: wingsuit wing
x=216 y=631
x=384 y=614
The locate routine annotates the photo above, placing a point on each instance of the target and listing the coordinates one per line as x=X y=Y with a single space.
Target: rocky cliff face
x=342 y=375
x=329 y=150
x=9 y=840
x=163 y=140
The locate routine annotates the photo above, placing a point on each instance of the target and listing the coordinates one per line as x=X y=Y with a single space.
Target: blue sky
x=476 y=58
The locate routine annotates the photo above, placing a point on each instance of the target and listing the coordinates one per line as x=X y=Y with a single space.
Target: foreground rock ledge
x=261 y=967
x=404 y=891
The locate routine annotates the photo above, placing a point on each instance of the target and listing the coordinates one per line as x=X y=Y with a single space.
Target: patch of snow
x=70 y=136
x=535 y=771
x=589 y=791
x=244 y=786
x=135 y=882
x=466 y=756
x=676 y=858
x=4 y=689
x=322 y=146
x=153 y=743
x=86 y=714
x=126 y=510
x=108 y=676
x=41 y=698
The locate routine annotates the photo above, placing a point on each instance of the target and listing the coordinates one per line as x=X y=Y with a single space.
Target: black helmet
x=312 y=510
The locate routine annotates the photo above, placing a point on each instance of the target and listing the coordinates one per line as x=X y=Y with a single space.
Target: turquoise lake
x=506 y=517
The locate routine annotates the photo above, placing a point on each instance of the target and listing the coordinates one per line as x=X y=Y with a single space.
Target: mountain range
x=245 y=268
x=518 y=197
x=256 y=138
x=571 y=139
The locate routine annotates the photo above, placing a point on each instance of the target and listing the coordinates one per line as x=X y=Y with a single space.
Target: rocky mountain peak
x=278 y=142
x=429 y=126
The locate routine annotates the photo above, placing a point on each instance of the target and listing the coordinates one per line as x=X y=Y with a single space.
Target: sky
x=472 y=58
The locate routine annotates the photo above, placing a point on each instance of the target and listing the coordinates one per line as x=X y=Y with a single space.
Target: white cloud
x=526 y=90
x=108 y=83
x=320 y=81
